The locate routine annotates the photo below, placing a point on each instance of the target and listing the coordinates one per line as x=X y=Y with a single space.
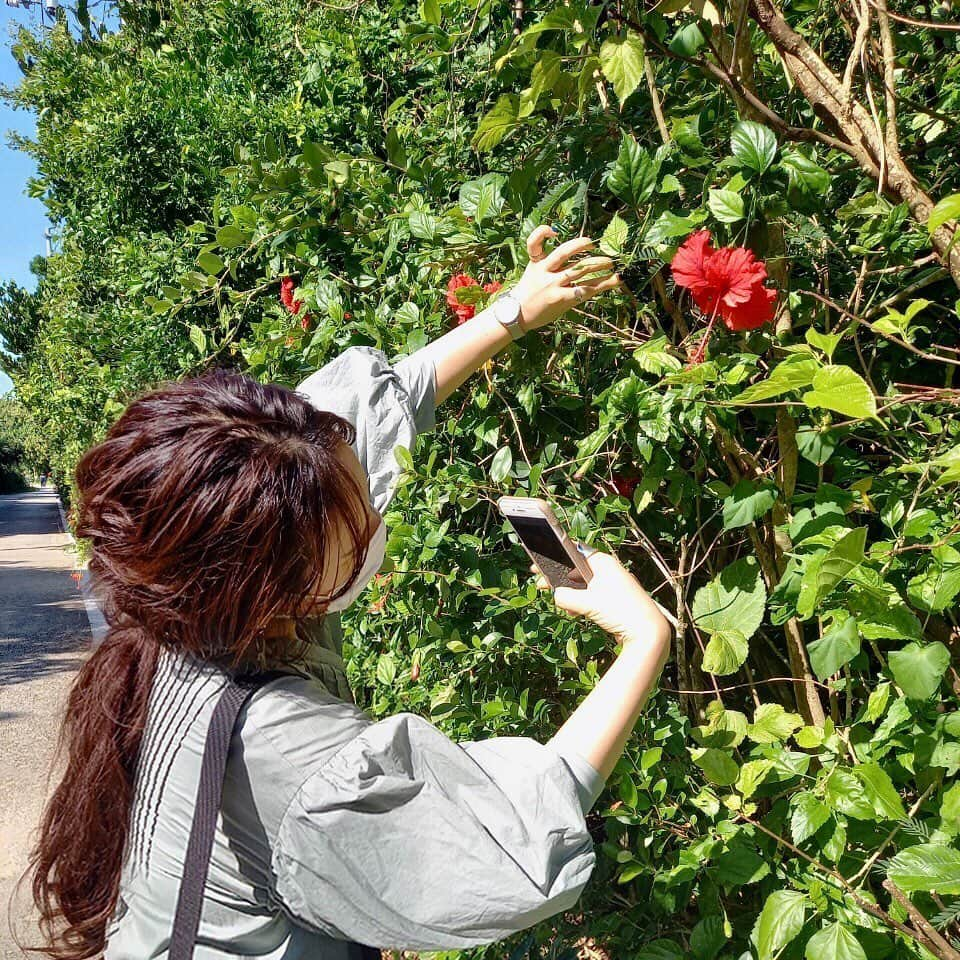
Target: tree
x=790 y=490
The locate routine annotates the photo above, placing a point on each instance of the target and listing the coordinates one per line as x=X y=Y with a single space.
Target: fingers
x=536 y=240
x=572 y=600
x=601 y=563
x=565 y=251
x=587 y=266
x=581 y=292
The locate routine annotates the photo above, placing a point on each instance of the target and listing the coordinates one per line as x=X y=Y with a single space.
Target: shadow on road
x=42 y=617
x=37 y=515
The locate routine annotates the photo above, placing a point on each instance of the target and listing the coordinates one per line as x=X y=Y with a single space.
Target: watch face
x=506 y=310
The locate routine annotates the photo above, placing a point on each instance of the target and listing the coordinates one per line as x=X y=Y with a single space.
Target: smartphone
x=548 y=544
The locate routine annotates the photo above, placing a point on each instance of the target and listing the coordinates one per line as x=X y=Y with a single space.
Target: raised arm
x=549 y=287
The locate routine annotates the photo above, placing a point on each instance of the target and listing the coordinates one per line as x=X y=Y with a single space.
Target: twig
x=865 y=869
x=914 y=22
x=936 y=943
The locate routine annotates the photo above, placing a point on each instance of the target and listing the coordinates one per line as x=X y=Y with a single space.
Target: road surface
x=44 y=634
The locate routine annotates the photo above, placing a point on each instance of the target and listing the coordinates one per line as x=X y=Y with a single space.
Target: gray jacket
x=335 y=827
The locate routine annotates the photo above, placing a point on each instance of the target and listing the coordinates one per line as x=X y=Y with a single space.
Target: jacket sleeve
x=389 y=405
x=406 y=840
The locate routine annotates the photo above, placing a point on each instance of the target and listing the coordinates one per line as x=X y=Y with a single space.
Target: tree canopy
x=790 y=490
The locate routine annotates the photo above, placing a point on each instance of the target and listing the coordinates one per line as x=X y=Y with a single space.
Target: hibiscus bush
x=762 y=424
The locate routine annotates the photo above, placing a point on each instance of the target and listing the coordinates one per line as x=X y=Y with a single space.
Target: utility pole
x=49 y=7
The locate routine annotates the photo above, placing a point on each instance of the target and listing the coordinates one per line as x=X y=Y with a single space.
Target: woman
x=223 y=512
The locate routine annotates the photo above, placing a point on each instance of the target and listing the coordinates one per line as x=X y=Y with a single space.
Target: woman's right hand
x=615 y=601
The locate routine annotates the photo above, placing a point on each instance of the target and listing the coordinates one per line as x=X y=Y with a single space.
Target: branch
x=797 y=134
x=863 y=28
x=925 y=24
x=891 y=134
x=936 y=944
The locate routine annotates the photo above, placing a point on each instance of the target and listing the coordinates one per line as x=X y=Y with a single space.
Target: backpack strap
x=186 y=920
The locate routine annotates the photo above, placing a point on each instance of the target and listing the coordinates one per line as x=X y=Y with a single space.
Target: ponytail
x=76 y=886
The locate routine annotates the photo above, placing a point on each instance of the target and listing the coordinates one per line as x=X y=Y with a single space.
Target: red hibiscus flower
x=492 y=287
x=463 y=311
x=287 y=286
x=726 y=283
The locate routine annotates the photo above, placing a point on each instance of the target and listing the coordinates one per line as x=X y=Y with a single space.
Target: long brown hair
x=209 y=507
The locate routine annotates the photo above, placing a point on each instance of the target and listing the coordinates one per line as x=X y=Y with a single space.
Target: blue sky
x=23 y=220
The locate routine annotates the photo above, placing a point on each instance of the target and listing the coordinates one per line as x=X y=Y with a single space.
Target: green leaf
x=834 y=942
x=707 y=937
x=483 y=199
x=754 y=145
x=844 y=792
x=950 y=810
x=316 y=155
x=841 y=389
x=808 y=815
x=338 y=172
x=621 y=60
x=614 y=238
x=501 y=465
x=772 y=724
x=230 y=236
x=199 y=339
x=661 y=950
x=724 y=728
x=633 y=175
x=402 y=456
x=394 y=147
x=500 y=120
x=725 y=652
x=687 y=40
x=430 y=12
x=752 y=774
x=780 y=921
x=733 y=601
x=386 y=669
x=747 y=502
x=543 y=78
x=927 y=867
x=794 y=373
x=918 y=670
x=839 y=644
x=823 y=573
x=726 y=205
x=210 y=262
x=719 y=767
x=880 y=791
x=423 y=225
x=804 y=173
x=947 y=209
x=827 y=342
x=936 y=587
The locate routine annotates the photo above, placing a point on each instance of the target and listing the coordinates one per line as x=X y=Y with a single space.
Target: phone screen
x=547 y=551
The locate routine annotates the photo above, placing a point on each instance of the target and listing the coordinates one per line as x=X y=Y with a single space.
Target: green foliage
x=799 y=487
x=16 y=463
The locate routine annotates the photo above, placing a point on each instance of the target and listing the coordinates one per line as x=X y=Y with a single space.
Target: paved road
x=43 y=636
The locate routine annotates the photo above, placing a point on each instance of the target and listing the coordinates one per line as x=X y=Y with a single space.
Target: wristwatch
x=506 y=310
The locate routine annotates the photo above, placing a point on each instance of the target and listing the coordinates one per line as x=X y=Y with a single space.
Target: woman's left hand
x=551 y=285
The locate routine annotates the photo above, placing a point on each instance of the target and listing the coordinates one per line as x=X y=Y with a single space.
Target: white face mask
x=371 y=565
